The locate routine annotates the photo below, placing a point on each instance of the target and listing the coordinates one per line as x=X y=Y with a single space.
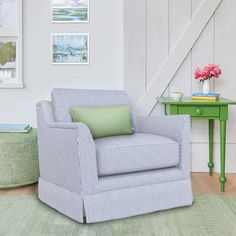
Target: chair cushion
x=133 y=153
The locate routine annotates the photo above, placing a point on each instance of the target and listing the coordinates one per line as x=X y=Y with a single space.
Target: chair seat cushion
x=133 y=153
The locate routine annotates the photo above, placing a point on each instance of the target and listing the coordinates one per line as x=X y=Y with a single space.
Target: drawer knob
x=199 y=111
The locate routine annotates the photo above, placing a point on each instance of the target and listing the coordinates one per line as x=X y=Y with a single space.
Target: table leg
x=222 y=154
x=211 y=163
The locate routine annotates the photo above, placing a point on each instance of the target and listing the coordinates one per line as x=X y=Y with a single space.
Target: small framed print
x=70 y=49
x=70 y=11
x=10 y=63
x=11 y=44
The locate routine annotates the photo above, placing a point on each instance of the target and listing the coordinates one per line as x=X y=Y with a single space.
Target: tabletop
x=190 y=101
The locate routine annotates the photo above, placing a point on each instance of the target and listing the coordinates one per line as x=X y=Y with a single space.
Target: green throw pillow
x=104 y=121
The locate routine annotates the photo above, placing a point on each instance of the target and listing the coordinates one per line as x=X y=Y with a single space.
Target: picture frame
x=70 y=48
x=70 y=11
x=11 y=66
x=10 y=63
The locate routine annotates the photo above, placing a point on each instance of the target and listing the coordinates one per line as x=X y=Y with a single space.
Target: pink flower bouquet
x=207 y=72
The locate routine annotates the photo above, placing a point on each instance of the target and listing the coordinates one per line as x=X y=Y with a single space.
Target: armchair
x=112 y=177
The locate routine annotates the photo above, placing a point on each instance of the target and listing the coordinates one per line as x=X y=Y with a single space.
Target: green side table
x=208 y=110
x=18 y=159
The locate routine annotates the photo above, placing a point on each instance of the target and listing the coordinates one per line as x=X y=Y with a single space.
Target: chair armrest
x=175 y=127
x=67 y=153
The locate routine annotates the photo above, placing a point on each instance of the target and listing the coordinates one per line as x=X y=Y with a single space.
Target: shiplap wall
x=153 y=29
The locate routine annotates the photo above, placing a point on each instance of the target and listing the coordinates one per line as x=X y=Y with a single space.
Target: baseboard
x=200 y=157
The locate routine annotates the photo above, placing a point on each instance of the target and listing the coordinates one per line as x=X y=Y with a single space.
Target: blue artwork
x=70 y=48
x=70 y=11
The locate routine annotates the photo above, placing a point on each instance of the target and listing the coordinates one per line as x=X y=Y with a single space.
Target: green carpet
x=210 y=215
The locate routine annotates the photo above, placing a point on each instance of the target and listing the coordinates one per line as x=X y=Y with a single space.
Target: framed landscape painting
x=70 y=11
x=11 y=44
x=10 y=67
x=70 y=49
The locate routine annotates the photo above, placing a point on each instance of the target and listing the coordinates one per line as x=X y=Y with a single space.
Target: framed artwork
x=70 y=11
x=11 y=44
x=70 y=49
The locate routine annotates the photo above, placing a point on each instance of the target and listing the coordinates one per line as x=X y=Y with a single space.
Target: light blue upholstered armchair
x=113 y=177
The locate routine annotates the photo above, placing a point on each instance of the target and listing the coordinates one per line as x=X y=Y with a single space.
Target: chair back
x=63 y=99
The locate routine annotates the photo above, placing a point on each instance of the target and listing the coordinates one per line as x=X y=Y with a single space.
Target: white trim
x=200 y=157
x=79 y=34
x=6 y=31
x=171 y=65
x=20 y=45
x=11 y=85
x=69 y=22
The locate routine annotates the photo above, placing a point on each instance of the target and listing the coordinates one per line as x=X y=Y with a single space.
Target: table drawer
x=199 y=111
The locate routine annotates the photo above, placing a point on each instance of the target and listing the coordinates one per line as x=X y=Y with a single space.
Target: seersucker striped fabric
x=70 y=163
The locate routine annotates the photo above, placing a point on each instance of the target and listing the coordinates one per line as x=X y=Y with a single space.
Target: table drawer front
x=199 y=111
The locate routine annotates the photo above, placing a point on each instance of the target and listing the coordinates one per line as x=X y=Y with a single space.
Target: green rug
x=210 y=216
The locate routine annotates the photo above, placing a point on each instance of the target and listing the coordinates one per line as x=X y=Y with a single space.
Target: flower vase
x=206 y=86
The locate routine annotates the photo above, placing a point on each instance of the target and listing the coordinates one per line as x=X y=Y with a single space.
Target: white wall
x=153 y=30
x=106 y=57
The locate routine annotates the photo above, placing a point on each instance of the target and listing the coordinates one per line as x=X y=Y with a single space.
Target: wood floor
x=202 y=183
